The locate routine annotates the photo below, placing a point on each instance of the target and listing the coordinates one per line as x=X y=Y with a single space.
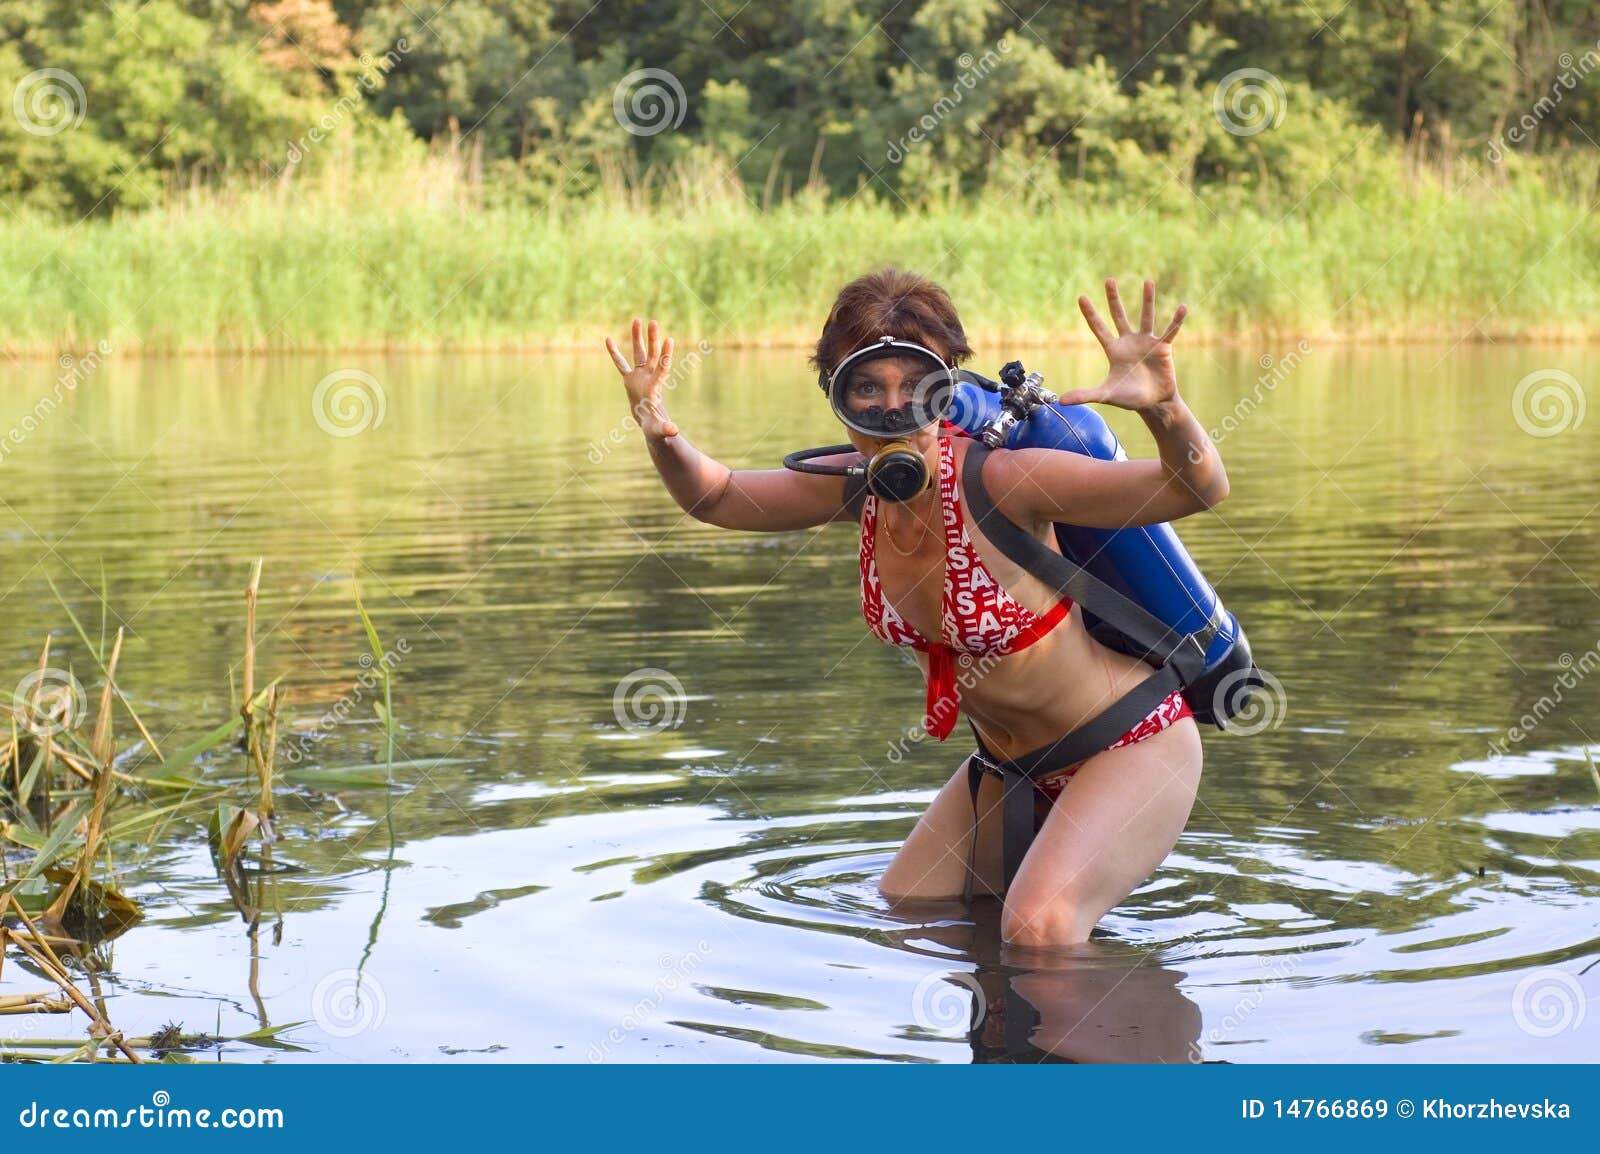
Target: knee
x=1058 y=921
x=889 y=891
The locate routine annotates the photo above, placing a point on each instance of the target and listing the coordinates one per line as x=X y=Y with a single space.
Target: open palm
x=652 y=362
x=1141 y=373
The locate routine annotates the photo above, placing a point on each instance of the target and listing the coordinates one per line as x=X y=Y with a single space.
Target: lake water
x=1361 y=880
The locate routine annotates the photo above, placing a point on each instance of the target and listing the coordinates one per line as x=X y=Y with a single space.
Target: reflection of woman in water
x=931 y=580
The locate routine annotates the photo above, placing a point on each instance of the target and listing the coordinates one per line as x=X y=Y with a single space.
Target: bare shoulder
x=1014 y=479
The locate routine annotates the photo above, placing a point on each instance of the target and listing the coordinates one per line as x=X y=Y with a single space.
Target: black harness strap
x=855 y=494
x=1181 y=658
x=1166 y=644
x=1017 y=814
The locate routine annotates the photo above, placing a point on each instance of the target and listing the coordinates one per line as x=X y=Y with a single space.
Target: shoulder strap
x=855 y=494
x=1186 y=651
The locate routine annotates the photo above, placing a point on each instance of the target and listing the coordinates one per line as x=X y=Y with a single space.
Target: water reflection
x=1100 y=1001
x=1366 y=879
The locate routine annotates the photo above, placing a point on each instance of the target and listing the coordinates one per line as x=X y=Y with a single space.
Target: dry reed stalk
x=264 y=761
x=45 y=958
x=74 y=763
x=37 y=1002
x=102 y=749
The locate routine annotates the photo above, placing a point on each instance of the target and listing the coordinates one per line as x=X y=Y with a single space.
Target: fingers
x=617 y=358
x=1081 y=396
x=1147 y=311
x=1177 y=323
x=1097 y=326
x=1114 y=302
x=664 y=366
x=649 y=351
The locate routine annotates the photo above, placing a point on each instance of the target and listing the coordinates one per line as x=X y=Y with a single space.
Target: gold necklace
x=921 y=537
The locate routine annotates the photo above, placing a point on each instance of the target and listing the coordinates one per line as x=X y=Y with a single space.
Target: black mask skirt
x=888 y=390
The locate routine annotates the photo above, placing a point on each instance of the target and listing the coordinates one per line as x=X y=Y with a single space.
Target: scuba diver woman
x=947 y=524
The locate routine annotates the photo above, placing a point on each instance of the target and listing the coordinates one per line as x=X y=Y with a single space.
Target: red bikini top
x=978 y=618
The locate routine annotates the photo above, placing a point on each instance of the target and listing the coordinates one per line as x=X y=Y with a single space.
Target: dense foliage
x=900 y=100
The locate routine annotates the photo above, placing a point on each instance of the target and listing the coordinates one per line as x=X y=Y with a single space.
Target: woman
x=1031 y=672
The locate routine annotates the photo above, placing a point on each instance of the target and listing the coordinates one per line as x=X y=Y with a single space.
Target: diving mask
x=887 y=390
x=890 y=388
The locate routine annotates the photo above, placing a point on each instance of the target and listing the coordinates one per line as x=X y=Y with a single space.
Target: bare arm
x=1041 y=484
x=762 y=500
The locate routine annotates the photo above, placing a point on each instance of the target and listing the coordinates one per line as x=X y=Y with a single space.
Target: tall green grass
x=415 y=261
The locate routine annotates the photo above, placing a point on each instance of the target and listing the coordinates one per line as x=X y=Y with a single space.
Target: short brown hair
x=890 y=302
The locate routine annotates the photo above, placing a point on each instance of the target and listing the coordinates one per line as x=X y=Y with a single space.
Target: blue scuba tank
x=1147 y=564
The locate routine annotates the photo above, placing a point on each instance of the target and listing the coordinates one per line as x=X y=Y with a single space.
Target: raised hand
x=652 y=361
x=1142 y=375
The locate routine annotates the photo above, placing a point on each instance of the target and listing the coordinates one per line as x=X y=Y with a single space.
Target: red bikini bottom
x=1173 y=708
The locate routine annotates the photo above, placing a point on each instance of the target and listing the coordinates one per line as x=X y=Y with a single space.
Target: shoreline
x=979 y=337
